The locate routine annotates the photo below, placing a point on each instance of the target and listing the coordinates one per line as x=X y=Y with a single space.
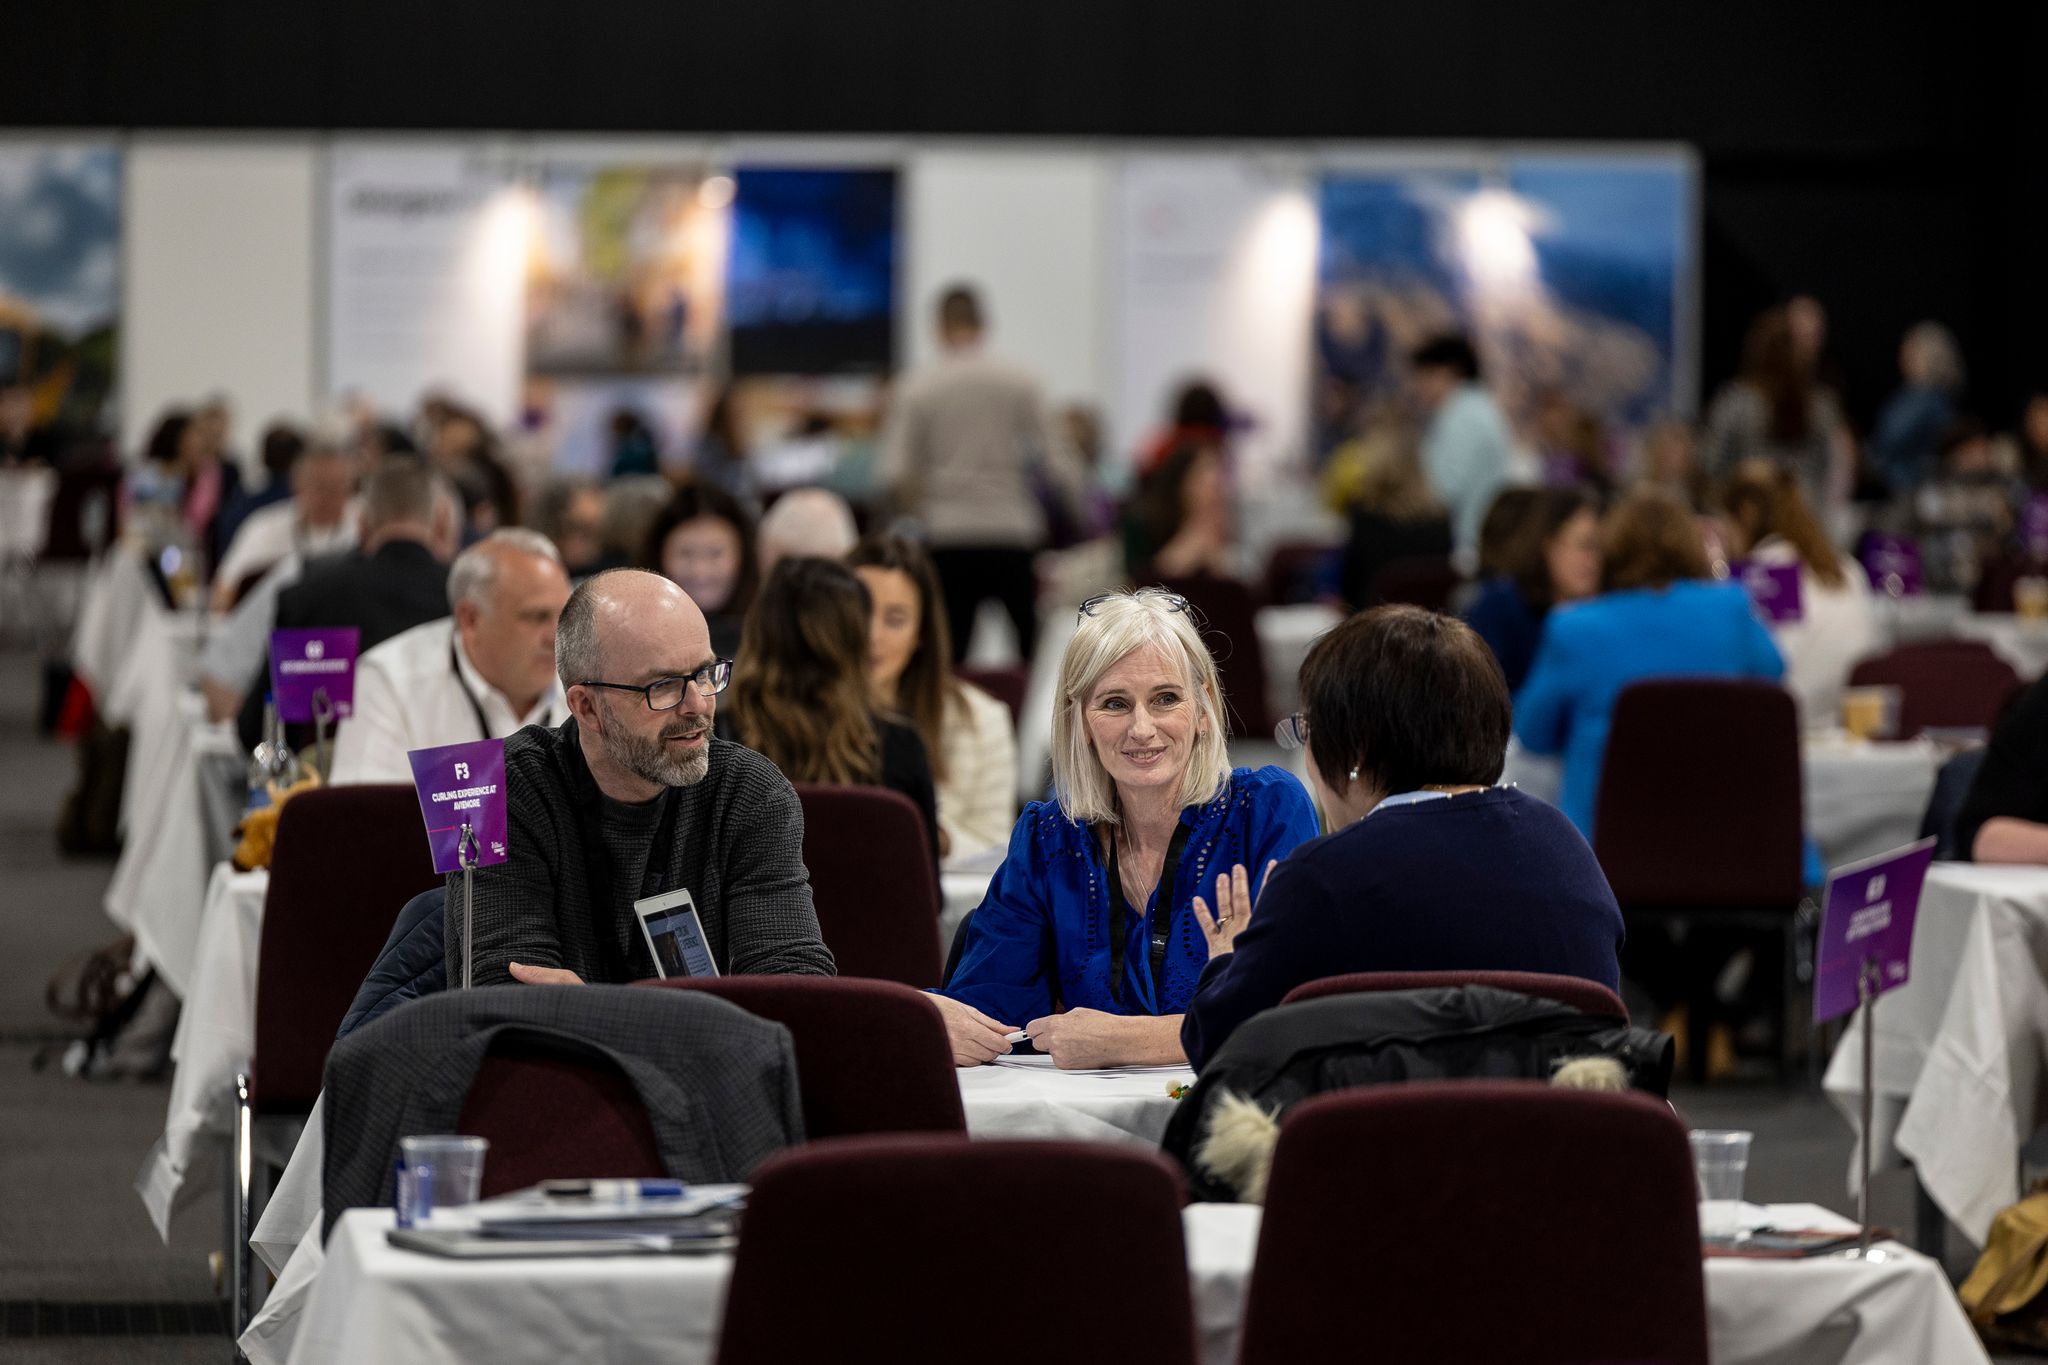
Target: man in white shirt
x=319 y=518
x=482 y=673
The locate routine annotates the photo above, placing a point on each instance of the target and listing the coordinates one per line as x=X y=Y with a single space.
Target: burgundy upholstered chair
x=873 y=882
x=870 y=1227
x=556 y=1111
x=1941 y=683
x=1465 y=1221
x=1006 y=684
x=839 y=1026
x=1230 y=627
x=1698 y=819
x=1587 y=997
x=347 y=860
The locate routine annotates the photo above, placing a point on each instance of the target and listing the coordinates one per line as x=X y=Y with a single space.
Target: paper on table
x=1041 y=1062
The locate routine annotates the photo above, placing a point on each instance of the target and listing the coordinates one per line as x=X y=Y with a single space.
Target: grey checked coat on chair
x=719 y=1084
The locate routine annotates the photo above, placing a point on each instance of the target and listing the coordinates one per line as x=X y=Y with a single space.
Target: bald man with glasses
x=634 y=797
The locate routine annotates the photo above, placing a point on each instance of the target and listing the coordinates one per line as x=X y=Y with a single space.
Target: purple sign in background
x=2034 y=525
x=1774 y=588
x=458 y=784
x=1893 y=563
x=1868 y=914
x=303 y=662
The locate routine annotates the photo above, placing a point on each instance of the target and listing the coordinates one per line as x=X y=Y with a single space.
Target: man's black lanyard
x=1162 y=916
x=455 y=667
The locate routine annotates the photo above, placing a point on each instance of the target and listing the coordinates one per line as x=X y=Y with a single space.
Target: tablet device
x=675 y=935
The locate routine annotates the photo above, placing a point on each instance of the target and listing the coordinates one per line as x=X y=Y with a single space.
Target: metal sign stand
x=1867 y=983
x=465 y=853
x=323 y=718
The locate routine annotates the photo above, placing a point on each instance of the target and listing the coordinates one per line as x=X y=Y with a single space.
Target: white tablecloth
x=2021 y=643
x=1905 y=620
x=1960 y=1046
x=371 y=1302
x=1000 y=1102
x=216 y=1034
x=1866 y=799
x=1285 y=633
x=184 y=784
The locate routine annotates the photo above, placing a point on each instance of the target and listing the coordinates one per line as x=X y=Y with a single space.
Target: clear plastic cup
x=1720 y=1157
x=441 y=1172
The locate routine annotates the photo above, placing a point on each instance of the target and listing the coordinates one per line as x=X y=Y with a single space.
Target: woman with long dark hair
x=800 y=695
x=1774 y=410
x=1552 y=556
x=1772 y=524
x=968 y=735
x=703 y=542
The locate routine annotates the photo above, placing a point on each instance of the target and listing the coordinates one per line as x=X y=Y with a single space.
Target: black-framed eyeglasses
x=1172 y=601
x=666 y=694
x=1292 y=733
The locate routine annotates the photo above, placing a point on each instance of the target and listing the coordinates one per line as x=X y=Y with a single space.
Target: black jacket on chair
x=718 y=1083
x=1291 y=1052
x=400 y=586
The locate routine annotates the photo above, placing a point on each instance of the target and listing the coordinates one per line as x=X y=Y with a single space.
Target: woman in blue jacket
x=1660 y=616
x=1088 y=939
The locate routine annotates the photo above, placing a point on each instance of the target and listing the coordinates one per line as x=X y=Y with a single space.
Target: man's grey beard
x=649 y=760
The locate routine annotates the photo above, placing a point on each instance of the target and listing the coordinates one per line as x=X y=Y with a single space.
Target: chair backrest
x=1587 y=997
x=347 y=860
x=858 y=1221
x=872 y=881
x=839 y=1026
x=1490 y=1223
x=1941 y=683
x=1427 y=581
x=1699 y=802
x=1296 y=568
x=556 y=1111
x=1230 y=627
x=1006 y=684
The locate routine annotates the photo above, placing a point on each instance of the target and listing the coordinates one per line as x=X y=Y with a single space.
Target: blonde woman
x=1095 y=908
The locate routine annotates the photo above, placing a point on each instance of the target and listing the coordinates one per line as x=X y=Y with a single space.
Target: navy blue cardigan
x=1485 y=881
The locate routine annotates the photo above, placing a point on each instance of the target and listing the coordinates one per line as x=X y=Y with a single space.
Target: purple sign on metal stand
x=462 y=784
x=1773 y=588
x=1868 y=919
x=306 y=662
x=1893 y=563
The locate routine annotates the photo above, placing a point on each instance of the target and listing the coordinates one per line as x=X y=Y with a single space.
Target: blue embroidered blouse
x=1047 y=910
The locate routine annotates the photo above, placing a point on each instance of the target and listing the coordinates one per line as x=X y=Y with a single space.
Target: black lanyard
x=475 y=706
x=1162 y=921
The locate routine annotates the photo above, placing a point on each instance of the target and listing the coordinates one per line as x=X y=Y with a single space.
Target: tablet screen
x=675 y=935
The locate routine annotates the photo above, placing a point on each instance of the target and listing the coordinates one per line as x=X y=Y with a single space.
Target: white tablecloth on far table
x=187 y=776
x=1960 y=1046
x=1865 y=799
x=2020 y=642
x=216 y=1034
x=1908 y=620
x=1285 y=633
x=372 y=1302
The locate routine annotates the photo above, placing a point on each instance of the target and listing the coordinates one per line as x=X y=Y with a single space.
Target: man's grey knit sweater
x=738 y=848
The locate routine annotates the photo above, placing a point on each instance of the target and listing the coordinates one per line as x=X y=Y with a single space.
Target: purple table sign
x=1870 y=909
x=1893 y=564
x=2034 y=526
x=457 y=784
x=1773 y=588
x=303 y=662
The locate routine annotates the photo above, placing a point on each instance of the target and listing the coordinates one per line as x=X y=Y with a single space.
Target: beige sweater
x=964 y=437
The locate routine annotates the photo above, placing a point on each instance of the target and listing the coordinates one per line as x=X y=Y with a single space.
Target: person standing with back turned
x=967 y=439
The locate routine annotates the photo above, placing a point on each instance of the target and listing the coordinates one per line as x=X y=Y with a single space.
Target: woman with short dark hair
x=1430 y=866
x=1552 y=557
